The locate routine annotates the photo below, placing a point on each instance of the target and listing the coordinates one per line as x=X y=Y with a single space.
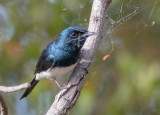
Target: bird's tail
x=28 y=90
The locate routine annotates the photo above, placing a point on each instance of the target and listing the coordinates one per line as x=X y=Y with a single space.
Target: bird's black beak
x=87 y=34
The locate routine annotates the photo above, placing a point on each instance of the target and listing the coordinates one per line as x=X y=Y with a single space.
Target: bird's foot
x=63 y=87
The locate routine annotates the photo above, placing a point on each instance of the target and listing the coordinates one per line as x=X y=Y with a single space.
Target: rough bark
x=66 y=98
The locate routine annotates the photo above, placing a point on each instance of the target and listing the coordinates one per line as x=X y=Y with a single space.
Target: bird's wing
x=45 y=62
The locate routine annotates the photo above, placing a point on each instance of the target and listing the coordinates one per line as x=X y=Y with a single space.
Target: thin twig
x=110 y=19
x=3 y=105
x=14 y=88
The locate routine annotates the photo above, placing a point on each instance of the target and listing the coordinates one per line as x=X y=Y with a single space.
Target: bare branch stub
x=3 y=106
x=67 y=98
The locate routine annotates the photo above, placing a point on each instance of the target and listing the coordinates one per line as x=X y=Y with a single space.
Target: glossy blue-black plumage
x=62 y=52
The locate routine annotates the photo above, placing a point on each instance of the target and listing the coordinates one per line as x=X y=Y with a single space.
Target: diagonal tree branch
x=66 y=98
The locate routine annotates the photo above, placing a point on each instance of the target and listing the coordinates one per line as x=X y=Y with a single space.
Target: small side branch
x=3 y=105
x=14 y=88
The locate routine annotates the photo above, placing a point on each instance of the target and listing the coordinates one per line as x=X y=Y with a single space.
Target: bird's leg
x=60 y=87
x=56 y=82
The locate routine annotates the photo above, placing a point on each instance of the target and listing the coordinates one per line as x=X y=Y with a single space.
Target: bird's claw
x=63 y=87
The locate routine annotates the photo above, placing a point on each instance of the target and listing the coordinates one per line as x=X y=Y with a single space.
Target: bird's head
x=75 y=36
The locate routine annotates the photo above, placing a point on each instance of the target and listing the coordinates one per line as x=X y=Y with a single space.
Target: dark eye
x=74 y=34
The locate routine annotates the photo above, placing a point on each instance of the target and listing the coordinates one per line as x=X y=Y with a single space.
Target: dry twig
x=3 y=105
x=14 y=88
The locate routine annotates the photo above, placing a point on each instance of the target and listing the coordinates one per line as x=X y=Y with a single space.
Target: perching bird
x=60 y=56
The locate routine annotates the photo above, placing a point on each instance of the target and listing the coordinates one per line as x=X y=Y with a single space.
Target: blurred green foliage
x=128 y=83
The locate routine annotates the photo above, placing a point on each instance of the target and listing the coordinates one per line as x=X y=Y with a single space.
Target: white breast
x=54 y=72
